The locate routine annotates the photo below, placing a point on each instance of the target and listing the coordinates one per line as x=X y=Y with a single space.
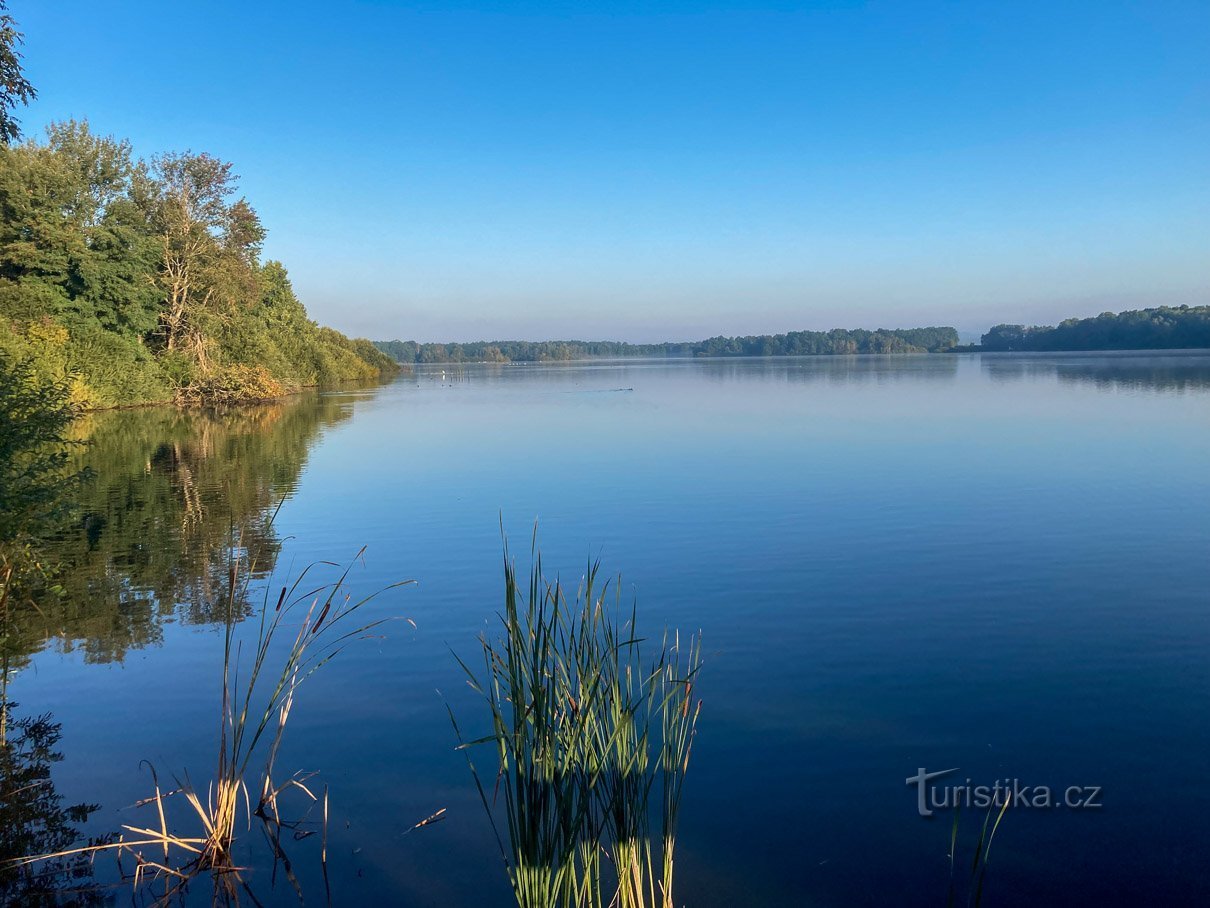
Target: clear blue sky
x=650 y=171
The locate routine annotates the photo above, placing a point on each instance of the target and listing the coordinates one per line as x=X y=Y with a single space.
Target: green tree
x=14 y=87
x=795 y=343
x=202 y=235
x=111 y=278
x=77 y=263
x=134 y=283
x=1161 y=328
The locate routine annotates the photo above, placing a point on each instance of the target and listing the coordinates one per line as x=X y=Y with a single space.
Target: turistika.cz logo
x=931 y=796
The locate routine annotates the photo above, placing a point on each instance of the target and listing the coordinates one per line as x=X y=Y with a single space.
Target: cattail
x=322 y=615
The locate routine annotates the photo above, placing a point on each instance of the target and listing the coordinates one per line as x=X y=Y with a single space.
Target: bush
x=231 y=385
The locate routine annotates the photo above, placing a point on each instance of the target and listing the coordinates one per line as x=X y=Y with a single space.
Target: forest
x=138 y=281
x=1161 y=328
x=795 y=343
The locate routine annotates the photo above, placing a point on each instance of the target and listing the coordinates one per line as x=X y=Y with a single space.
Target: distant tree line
x=795 y=343
x=1162 y=328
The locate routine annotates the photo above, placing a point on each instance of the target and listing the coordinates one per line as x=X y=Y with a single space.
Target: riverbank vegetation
x=1161 y=328
x=139 y=281
x=795 y=343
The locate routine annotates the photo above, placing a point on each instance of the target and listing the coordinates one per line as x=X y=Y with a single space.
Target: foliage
x=137 y=282
x=795 y=343
x=235 y=384
x=14 y=87
x=592 y=746
x=1162 y=328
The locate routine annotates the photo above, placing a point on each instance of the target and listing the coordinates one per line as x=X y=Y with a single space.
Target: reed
x=979 y=859
x=316 y=622
x=592 y=744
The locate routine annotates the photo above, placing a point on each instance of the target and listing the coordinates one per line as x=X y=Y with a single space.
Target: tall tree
x=111 y=280
x=74 y=241
x=14 y=87
x=208 y=244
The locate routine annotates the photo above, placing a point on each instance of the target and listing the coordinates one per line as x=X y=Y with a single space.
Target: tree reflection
x=173 y=493
x=1138 y=372
x=34 y=819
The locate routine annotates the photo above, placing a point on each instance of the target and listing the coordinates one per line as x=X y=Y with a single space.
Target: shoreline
x=965 y=349
x=211 y=403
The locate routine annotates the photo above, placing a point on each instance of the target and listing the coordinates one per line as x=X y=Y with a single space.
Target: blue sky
x=652 y=171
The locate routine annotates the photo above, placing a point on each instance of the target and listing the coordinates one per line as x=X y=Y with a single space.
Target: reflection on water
x=838 y=370
x=34 y=820
x=833 y=370
x=1169 y=370
x=1163 y=371
x=170 y=492
x=171 y=497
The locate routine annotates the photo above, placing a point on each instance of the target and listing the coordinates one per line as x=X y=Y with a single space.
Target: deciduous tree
x=208 y=243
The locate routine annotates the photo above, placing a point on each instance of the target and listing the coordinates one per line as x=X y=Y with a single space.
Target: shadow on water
x=1165 y=371
x=169 y=491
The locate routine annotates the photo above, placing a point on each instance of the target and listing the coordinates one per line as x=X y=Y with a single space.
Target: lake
x=994 y=564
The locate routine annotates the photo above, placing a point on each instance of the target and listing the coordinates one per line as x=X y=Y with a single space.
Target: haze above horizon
x=674 y=171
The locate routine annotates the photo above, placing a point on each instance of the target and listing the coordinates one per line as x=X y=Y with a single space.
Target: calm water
x=997 y=564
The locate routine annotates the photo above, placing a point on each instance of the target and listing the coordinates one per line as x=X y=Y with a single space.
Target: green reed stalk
x=981 y=857
x=583 y=731
x=679 y=715
x=320 y=614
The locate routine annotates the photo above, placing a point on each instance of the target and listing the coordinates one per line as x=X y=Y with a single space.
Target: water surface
x=994 y=563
